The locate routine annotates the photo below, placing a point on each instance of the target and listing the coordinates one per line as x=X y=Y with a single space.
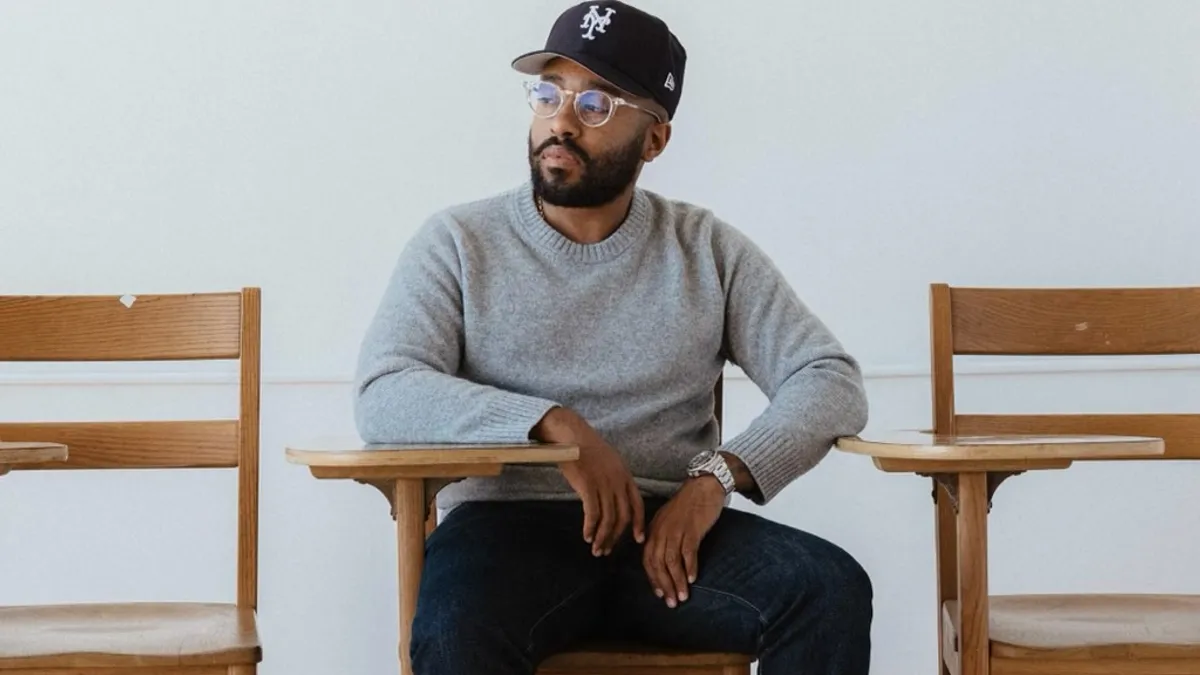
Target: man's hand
x=611 y=501
x=670 y=554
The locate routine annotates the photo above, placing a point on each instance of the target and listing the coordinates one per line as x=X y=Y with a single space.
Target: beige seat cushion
x=1118 y=625
x=126 y=635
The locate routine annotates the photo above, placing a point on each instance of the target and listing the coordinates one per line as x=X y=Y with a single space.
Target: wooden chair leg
x=946 y=527
x=409 y=502
x=973 y=574
x=243 y=670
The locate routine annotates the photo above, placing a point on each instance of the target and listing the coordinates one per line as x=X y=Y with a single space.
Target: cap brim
x=532 y=63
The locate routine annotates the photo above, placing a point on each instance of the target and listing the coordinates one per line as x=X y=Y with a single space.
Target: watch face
x=700 y=460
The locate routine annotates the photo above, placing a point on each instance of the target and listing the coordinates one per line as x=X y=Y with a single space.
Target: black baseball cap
x=628 y=47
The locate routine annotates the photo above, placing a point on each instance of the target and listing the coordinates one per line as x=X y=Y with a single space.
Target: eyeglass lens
x=593 y=107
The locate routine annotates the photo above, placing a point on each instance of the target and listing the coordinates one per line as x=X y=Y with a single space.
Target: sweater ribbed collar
x=633 y=229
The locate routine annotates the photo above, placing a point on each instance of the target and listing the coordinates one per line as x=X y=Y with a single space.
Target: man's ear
x=657 y=138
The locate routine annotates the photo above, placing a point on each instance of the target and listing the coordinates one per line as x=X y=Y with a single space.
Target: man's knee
x=842 y=585
x=816 y=578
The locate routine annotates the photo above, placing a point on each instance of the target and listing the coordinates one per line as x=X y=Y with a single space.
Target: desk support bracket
x=949 y=481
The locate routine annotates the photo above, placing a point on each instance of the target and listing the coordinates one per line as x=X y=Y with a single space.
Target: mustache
x=567 y=143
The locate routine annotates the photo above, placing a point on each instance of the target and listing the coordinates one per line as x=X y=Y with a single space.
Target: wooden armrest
x=17 y=453
x=906 y=450
x=354 y=459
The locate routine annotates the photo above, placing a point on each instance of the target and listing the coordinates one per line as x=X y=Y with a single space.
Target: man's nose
x=566 y=122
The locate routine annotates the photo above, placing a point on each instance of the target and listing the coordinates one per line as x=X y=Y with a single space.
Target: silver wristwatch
x=713 y=463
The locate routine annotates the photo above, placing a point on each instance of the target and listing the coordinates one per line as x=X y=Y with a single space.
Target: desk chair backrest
x=1063 y=322
x=185 y=327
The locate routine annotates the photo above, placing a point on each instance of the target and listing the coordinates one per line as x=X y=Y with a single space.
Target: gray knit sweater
x=492 y=317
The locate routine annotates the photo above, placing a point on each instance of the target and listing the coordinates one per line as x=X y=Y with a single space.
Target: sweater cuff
x=767 y=455
x=510 y=417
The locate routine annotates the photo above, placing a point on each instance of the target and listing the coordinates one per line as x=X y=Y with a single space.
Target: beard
x=601 y=180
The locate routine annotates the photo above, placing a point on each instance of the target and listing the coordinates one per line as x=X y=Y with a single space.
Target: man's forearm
x=422 y=405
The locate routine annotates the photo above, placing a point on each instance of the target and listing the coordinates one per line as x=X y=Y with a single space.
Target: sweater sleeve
x=407 y=388
x=814 y=388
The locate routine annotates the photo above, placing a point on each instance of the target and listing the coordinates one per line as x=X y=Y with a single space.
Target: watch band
x=713 y=463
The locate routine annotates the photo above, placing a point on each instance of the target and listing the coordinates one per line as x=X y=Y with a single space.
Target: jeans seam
x=762 y=620
x=578 y=592
x=737 y=598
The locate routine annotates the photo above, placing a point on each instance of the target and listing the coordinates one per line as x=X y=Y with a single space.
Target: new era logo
x=670 y=83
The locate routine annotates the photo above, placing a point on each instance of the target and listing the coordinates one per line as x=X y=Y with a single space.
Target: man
x=579 y=308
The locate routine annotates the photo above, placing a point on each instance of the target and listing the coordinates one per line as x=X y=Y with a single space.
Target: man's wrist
x=743 y=480
x=554 y=427
x=707 y=484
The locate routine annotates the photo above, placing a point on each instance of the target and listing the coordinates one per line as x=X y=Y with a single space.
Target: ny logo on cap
x=593 y=21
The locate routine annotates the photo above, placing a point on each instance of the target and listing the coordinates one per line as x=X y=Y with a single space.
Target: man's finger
x=652 y=560
x=690 y=557
x=638 y=513
x=590 y=515
x=622 y=504
x=604 y=529
x=677 y=577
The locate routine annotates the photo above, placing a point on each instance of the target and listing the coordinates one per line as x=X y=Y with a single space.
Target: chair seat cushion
x=1102 y=625
x=126 y=635
x=613 y=657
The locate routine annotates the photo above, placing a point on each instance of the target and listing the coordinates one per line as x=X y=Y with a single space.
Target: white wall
x=872 y=147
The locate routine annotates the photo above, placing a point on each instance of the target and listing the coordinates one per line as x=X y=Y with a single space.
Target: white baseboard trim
x=28 y=378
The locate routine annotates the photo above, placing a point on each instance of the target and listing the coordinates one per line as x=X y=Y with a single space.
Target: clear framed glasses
x=593 y=107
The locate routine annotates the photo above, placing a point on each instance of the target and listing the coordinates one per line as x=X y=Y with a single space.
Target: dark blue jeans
x=508 y=584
